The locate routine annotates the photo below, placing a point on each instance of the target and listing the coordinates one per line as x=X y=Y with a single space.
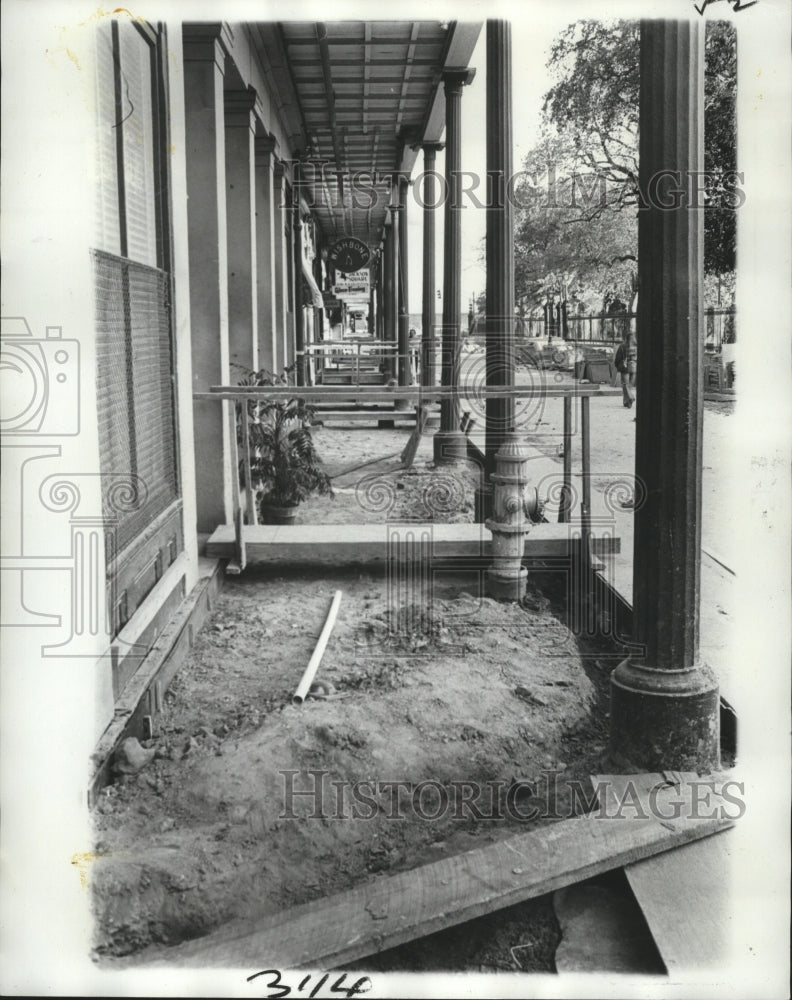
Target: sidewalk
x=612 y=449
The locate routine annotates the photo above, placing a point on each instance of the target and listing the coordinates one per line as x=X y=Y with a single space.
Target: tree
x=568 y=238
x=593 y=108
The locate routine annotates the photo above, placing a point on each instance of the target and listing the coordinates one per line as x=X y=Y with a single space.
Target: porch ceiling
x=358 y=96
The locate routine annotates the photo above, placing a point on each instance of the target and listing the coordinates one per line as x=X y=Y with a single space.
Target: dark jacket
x=626 y=352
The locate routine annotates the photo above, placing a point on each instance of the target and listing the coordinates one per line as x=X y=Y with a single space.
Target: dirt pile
x=252 y=805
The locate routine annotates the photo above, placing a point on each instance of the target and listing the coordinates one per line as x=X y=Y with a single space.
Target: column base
x=506 y=586
x=665 y=720
x=432 y=417
x=449 y=446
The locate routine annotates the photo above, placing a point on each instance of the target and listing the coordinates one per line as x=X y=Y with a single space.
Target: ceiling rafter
x=407 y=70
x=362 y=87
x=320 y=30
x=370 y=42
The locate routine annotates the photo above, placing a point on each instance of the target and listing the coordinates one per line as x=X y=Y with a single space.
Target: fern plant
x=284 y=465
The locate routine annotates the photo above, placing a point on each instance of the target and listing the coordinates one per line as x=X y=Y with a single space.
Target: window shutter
x=138 y=125
x=108 y=236
x=133 y=386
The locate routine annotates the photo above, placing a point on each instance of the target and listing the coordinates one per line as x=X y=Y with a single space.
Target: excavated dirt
x=485 y=692
x=498 y=697
x=371 y=485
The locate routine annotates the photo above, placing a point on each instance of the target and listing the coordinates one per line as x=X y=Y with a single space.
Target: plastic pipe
x=313 y=664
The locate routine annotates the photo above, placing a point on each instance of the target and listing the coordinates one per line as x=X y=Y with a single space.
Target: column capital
x=457 y=78
x=207 y=42
x=239 y=107
x=431 y=147
x=266 y=147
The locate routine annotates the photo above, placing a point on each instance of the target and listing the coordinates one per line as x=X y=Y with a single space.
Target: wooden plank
x=389 y=911
x=379 y=394
x=369 y=542
x=250 y=499
x=156 y=671
x=361 y=416
x=238 y=560
x=408 y=455
x=684 y=895
x=237 y=563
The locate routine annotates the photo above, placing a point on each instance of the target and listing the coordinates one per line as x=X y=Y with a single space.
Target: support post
x=388 y=312
x=395 y=233
x=428 y=374
x=205 y=48
x=280 y=249
x=380 y=292
x=297 y=280
x=404 y=367
x=266 y=233
x=450 y=444
x=500 y=237
x=565 y=506
x=664 y=699
x=372 y=305
x=509 y=523
x=240 y=131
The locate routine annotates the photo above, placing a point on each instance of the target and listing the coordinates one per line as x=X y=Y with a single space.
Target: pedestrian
x=414 y=347
x=626 y=363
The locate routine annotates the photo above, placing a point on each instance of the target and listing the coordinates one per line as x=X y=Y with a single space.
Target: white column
x=240 y=127
x=204 y=61
x=281 y=268
x=266 y=278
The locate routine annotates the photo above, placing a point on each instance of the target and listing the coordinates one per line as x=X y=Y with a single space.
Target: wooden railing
x=243 y=499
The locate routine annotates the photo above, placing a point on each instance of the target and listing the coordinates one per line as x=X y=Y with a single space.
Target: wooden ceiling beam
x=373 y=43
x=296 y=61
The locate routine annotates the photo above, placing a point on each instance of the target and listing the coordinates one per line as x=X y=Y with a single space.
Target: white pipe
x=313 y=664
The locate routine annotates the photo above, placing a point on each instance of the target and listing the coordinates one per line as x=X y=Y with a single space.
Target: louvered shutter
x=108 y=236
x=134 y=384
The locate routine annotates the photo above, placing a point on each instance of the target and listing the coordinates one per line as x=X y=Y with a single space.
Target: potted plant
x=284 y=465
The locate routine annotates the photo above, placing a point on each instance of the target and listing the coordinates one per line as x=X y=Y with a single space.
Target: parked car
x=558 y=355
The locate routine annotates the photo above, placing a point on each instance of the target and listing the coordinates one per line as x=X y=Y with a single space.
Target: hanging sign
x=348 y=254
x=356 y=283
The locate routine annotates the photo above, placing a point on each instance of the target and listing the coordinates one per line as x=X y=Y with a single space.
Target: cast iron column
x=428 y=299
x=297 y=279
x=380 y=270
x=393 y=331
x=500 y=237
x=388 y=311
x=280 y=249
x=404 y=305
x=372 y=302
x=664 y=700
x=450 y=444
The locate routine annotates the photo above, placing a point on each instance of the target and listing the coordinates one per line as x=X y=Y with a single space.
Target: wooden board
x=337 y=543
x=155 y=673
x=361 y=416
x=389 y=911
x=373 y=393
x=684 y=895
x=408 y=455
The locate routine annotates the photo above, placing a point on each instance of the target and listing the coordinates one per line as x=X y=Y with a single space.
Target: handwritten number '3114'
x=278 y=988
